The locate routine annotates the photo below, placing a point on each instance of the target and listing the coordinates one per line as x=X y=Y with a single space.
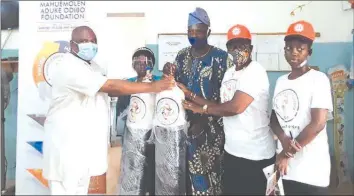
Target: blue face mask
x=87 y=51
x=148 y=68
x=198 y=42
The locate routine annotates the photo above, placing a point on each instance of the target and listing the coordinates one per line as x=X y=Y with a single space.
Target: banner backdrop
x=338 y=75
x=45 y=28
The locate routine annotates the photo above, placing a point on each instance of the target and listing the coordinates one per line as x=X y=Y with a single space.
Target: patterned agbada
x=203 y=76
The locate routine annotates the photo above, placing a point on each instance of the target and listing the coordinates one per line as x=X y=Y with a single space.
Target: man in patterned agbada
x=201 y=67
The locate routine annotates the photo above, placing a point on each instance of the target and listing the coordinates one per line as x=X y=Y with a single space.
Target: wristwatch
x=205 y=109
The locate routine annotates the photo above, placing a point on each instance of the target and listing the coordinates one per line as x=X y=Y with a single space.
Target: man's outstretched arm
x=116 y=87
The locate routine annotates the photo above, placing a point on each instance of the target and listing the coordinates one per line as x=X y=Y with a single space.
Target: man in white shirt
x=249 y=144
x=301 y=102
x=77 y=123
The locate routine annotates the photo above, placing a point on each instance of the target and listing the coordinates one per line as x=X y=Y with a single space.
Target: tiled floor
x=114 y=156
x=113 y=172
x=112 y=188
x=345 y=189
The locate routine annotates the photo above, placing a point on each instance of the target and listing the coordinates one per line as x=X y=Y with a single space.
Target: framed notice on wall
x=171 y=44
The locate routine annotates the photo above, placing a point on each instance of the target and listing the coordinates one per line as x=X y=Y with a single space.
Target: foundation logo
x=137 y=109
x=50 y=54
x=286 y=105
x=228 y=90
x=167 y=111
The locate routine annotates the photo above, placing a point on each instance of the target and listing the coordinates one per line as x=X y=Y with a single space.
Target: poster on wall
x=45 y=30
x=351 y=73
x=338 y=75
x=169 y=46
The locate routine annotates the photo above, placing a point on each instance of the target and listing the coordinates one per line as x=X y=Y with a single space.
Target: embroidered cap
x=198 y=16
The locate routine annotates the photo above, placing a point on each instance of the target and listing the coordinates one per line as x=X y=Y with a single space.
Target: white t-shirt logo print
x=230 y=90
x=286 y=105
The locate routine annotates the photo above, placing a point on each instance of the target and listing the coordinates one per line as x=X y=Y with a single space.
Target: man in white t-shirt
x=301 y=102
x=244 y=92
x=77 y=123
x=170 y=131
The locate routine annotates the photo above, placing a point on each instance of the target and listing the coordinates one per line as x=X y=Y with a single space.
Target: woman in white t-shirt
x=301 y=102
x=249 y=144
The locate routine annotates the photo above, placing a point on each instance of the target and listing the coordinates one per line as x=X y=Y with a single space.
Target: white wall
x=161 y=17
x=13 y=39
x=327 y=17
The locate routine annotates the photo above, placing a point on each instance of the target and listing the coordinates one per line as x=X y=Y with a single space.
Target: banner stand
x=338 y=75
x=4 y=190
x=3 y=168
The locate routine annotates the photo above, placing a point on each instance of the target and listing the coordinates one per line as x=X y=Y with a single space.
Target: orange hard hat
x=238 y=31
x=302 y=28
